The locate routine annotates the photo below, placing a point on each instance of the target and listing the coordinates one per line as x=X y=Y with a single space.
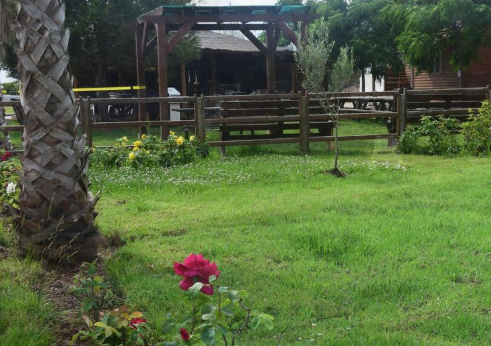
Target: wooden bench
x=269 y=129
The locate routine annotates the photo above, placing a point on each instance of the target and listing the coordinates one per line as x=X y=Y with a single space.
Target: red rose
x=196 y=269
x=136 y=322
x=184 y=334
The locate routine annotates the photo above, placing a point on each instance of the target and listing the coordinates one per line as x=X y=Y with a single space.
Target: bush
x=9 y=180
x=441 y=140
x=408 y=142
x=477 y=131
x=149 y=151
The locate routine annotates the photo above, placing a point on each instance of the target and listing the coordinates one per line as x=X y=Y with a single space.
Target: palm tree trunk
x=57 y=214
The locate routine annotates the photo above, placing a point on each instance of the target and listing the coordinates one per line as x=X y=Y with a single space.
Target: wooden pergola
x=153 y=30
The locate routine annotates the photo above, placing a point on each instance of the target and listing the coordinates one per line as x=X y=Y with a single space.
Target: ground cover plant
x=395 y=254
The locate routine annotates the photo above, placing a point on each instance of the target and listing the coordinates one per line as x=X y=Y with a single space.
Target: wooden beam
x=156 y=12
x=183 y=30
x=254 y=40
x=150 y=46
x=270 y=61
x=223 y=26
x=140 y=73
x=276 y=37
x=162 y=67
x=288 y=32
x=144 y=37
x=231 y=18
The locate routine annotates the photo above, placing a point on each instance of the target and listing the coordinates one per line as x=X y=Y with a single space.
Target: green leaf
x=255 y=322
x=233 y=296
x=196 y=288
x=212 y=278
x=208 y=335
x=223 y=289
x=92 y=271
x=167 y=343
x=227 y=311
x=167 y=327
x=87 y=306
x=208 y=309
x=98 y=279
x=222 y=328
x=209 y=317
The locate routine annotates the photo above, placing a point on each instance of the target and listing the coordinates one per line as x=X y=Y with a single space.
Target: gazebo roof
x=217 y=42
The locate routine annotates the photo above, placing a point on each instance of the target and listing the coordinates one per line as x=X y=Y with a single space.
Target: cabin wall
x=479 y=73
x=438 y=80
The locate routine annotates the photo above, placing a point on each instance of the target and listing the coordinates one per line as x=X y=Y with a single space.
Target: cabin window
x=438 y=64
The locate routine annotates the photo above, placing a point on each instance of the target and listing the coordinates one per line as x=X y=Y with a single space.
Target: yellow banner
x=137 y=87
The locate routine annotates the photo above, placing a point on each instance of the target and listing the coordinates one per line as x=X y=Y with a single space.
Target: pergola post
x=141 y=80
x=270 y=60
x=162 y=67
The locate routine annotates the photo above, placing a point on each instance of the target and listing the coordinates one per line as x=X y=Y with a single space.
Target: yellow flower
x=136 y=149
x=137 y=143
x=172 y=133
x=192 y=138
x=125 y=139
x=131 y=156
x=144 y=136
x=180 y=140
x=93 y=149
x=148 y=151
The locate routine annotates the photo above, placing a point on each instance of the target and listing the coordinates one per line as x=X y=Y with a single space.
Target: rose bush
x=216 y=314
x=9 y=180
x=149 y=151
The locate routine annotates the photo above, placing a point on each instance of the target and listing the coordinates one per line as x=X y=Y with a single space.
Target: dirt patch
x=335 y=172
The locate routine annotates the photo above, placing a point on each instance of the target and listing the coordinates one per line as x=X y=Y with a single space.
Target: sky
x=4 y=78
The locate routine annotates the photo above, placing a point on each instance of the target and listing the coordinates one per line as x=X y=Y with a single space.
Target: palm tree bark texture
x=56 y=218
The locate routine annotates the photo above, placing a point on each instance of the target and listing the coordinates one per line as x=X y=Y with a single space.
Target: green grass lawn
x=397 y=253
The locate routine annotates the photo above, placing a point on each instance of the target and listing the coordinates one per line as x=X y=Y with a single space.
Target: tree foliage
x=426 y=28
x=357 y=24
x=313 y=54
x=102 y=45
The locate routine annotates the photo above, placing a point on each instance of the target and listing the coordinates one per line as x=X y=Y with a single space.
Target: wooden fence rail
x=289 y=111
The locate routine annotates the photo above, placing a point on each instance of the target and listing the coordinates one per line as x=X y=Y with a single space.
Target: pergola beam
x=183 y=30
x=254 y=40
x=229 y=18
x=288 y=32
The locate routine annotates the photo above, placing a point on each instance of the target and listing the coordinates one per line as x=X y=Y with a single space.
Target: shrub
x=9 y=180
x=217 y=314
x=149 y=151
x=408 y=142
x=477 y=131
x=441 y=140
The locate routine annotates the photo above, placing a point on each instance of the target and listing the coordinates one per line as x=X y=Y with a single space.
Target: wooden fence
x=297 y=110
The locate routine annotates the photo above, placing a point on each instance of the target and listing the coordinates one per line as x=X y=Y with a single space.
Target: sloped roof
x=215 y=41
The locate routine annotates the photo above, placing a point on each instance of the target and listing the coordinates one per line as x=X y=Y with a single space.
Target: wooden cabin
x=478 y=74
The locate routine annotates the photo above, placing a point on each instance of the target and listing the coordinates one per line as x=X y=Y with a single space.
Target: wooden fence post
x=85 y=118
x=199 y=114
x=303 y=108
x=402 y=109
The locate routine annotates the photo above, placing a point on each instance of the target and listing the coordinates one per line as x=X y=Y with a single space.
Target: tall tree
x=56 y=209
x=427 y=28
x=358 y=24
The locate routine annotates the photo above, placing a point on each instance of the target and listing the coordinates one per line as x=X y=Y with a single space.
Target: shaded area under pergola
x=154 y=27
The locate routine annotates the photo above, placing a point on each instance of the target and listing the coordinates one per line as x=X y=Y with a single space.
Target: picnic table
x=380 y=103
